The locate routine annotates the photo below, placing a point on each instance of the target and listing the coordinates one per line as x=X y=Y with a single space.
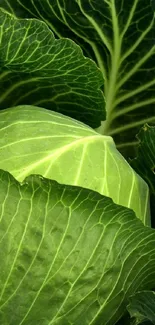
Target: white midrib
x=115 y=65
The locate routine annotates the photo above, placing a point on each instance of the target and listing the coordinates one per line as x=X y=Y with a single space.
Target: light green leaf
x=69 y=256
x=120 y=36
x=37 y=69
x=37 y=141
x=142 y=307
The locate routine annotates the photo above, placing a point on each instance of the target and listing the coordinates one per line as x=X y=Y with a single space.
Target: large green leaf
x=121 y=36
x=68 y=255
x=142 y=307
x=144 y=164
x=35 y=68
x=34 y=140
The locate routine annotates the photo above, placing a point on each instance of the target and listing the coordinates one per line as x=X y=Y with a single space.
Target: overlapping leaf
x=34 y=140
x=121 y=35
x=35 y=68
x=144 y=164
x=68 y=255
x=142 y=307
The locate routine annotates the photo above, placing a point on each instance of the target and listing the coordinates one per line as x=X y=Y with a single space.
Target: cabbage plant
x=77 y=162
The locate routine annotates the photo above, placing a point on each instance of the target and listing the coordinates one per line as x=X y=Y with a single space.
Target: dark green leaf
x=121 y=34
x=37 y=69
x=142 y=307
x=144 y=164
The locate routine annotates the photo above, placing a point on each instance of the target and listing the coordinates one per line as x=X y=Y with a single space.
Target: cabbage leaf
x=120 y=36
x=34 y=140
x=142 y=307
x=144 y=163
x=37 y=69
x=68 y=255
